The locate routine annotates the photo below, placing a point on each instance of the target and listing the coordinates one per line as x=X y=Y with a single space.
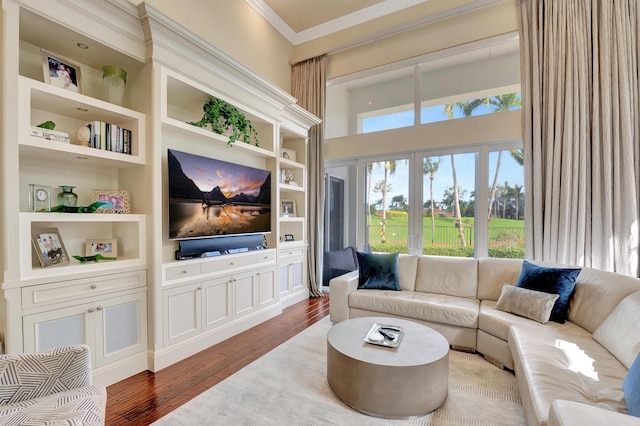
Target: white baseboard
x=164 y=357
x=120 y=370
x=294 y=298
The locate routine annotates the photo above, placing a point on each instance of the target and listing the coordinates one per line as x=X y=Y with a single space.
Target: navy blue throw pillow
x=561 y=281
x=631 y=388
x=378 y=271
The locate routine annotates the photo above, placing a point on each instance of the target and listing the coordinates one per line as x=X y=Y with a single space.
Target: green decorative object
x=94 y=258
x=227 y=120
x=78 y=209
x=49 y=125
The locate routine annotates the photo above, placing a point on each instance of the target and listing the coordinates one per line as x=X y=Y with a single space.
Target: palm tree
x=518 y=155
x=501 y=103
x=517 y=193
x=458 y=221
x=431 y=167
x=467 y=108
x=383 y=188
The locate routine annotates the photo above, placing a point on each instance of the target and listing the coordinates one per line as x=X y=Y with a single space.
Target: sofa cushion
x=604 y=289
x=561 y=281
x=551 y=364
x=455 y=276
x=631 y=388
x=437 y=308
x=531 y=304
x=497 y=323
x=378 y=271
x=407 y=271
x=493 y=273
x=620 y=331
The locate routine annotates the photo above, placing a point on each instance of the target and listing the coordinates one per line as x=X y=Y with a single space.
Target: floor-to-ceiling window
x=424 y=182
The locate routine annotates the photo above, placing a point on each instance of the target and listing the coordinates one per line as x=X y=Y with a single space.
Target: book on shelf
x=52 y=135
x=109 y=137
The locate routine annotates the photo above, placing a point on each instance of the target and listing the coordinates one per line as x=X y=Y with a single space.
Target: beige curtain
x=308 y=85
x=580 y=106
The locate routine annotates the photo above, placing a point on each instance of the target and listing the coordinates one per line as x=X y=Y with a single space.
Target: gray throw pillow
x=535 y=305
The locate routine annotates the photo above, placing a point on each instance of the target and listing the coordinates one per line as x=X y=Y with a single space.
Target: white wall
x=238 y=30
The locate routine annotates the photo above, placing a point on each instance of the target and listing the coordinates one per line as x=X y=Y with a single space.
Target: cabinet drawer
x=182 y=271
x=266 y=256
x=224 y=262
x=286 y=253
x=47 y=294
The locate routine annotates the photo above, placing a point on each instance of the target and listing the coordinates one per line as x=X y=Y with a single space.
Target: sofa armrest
x=339 y=289
x=571 y=413
x=34 y=375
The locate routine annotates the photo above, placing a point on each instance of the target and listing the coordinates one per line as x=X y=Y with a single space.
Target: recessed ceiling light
x=370 y=102
x=82 y=46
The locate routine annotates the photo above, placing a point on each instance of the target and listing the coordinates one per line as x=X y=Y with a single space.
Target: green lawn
x=502 y=232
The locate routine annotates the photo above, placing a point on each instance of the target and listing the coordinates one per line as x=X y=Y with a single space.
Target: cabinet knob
x=99 y=308
x=231 y=263
x=91 y=310
x=184 y=271
x=93 y=286
x=199 y=288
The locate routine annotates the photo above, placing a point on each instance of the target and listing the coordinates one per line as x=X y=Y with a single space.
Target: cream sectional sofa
x=576 y=364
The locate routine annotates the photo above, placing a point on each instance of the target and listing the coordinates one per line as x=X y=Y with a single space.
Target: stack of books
x=109 y=137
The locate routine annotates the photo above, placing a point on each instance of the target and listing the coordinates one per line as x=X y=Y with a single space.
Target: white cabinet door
x=121 y=327
x=216 y=299
x=267 y=287
x=114 y=328
x=297 y=273
x=291 y=276
x=60 y=327
x=183 y=312
x=245 y=293
x=283 y=279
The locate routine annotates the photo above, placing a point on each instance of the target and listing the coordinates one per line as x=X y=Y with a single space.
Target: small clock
x=39 y=198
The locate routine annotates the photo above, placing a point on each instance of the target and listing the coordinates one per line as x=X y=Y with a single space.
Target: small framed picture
x=49 y=247
x=107 y=247
x=117 y=201
x=289 y=154
x=287 y=207
x=60 y=72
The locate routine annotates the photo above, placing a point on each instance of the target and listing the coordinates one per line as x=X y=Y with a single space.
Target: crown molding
x=178 y=49
x=355 y=18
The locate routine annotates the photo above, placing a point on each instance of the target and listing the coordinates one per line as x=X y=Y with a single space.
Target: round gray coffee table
x=408 y=381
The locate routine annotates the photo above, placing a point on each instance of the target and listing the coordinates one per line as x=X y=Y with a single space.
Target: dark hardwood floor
x=145 y=397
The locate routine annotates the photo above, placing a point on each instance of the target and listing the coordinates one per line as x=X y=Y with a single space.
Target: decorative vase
x=67 y=197
x=114 y=80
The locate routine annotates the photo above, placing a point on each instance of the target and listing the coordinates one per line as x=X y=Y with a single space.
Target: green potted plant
x=226 y=120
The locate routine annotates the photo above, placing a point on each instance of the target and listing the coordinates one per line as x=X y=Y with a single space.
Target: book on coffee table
x=388 y=335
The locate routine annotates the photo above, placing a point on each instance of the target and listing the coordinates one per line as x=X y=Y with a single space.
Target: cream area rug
x=288 y=386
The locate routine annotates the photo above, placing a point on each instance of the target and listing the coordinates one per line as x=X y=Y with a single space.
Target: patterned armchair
x=50 y=388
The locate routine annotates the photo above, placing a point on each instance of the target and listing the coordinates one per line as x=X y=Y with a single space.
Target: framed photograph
x=288 y=207
x=289 y=154
x=49 y=247
x=107 y=247
x=117 y=200
x=60 y=72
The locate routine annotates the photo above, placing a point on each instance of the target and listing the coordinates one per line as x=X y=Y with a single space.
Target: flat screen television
x=212 y=198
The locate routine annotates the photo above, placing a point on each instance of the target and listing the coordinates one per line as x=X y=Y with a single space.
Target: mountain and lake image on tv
x=210 y=197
